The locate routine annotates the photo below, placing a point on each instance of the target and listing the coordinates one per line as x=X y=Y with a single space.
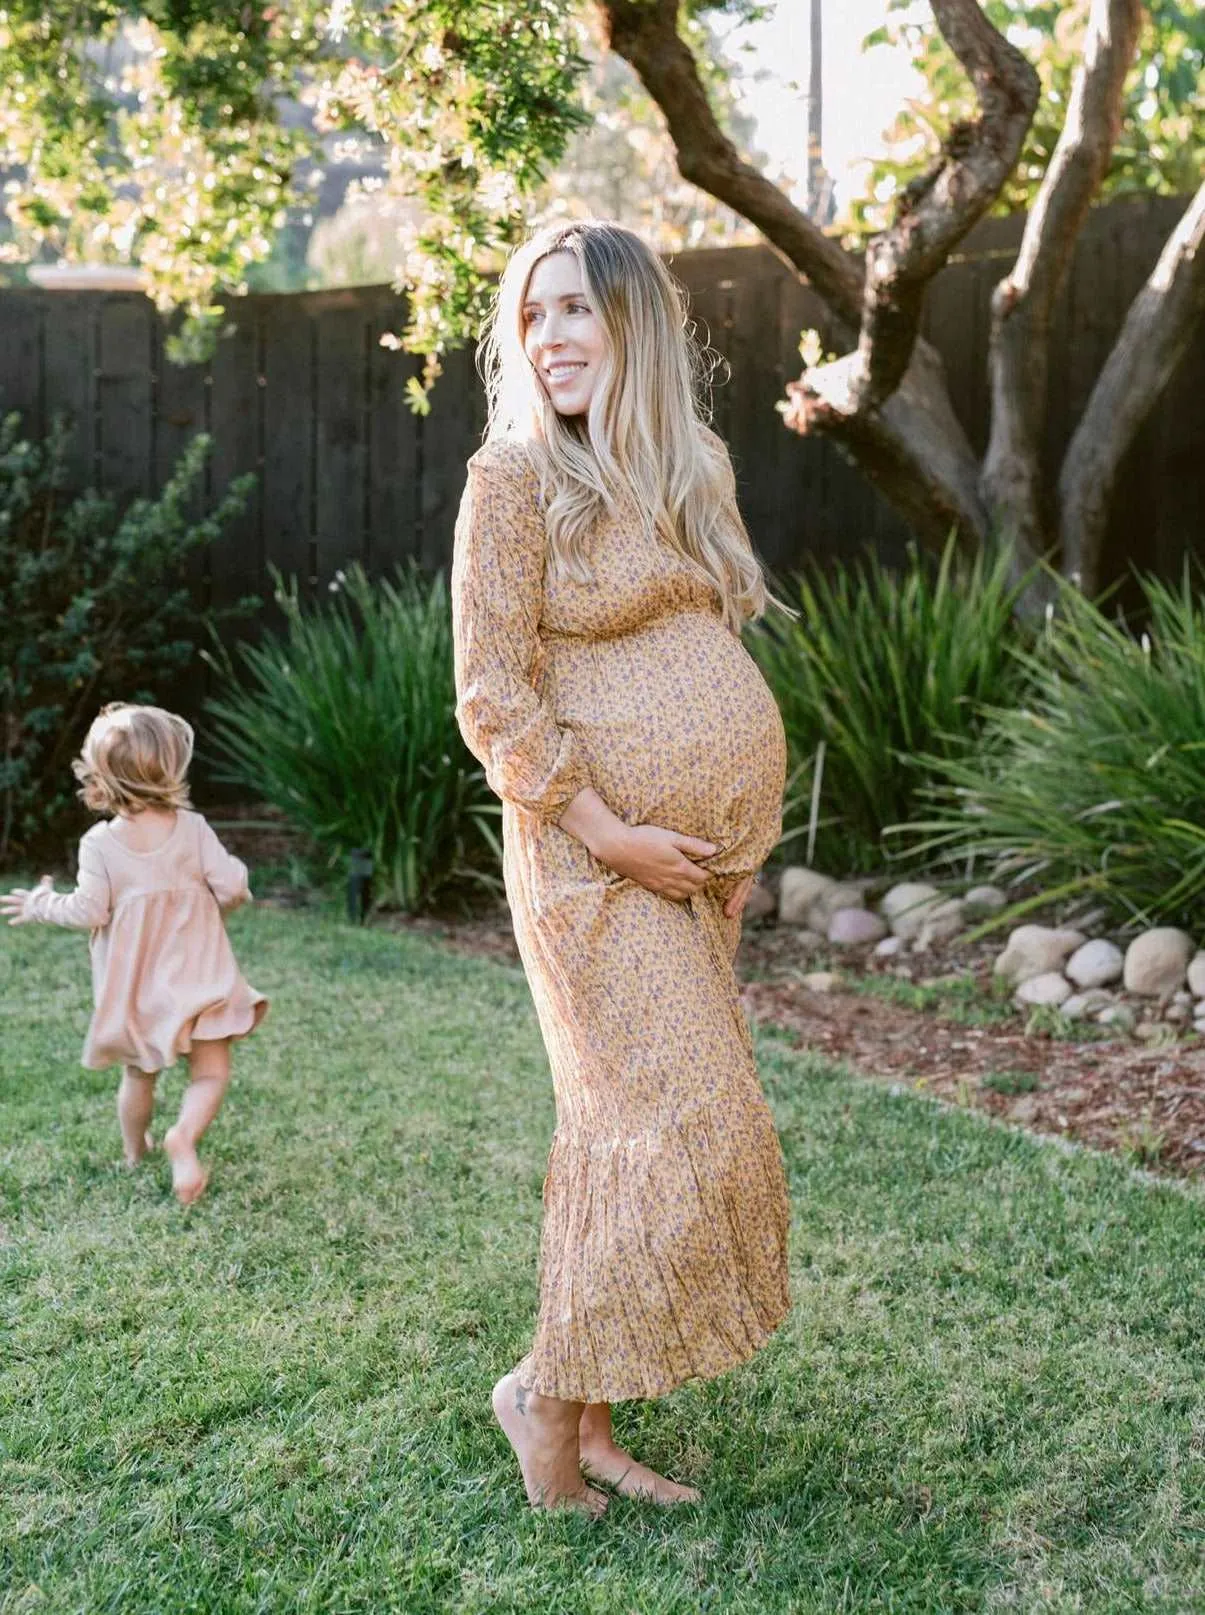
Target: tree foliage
x=159 y=132
x=1163 y=117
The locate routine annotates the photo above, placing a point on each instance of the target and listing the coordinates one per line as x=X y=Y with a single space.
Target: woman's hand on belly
x=658 y=859
x=738 y=897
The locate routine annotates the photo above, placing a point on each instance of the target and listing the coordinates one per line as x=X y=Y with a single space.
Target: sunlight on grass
x=988 y=1394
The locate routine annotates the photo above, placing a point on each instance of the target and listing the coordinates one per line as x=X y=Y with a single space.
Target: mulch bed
x=1144 y=1102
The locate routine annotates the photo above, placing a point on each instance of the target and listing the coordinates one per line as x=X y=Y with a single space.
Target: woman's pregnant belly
x=679 y=729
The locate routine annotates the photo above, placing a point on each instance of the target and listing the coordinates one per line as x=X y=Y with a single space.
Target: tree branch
x=645 y=33
x=1023 y=302
x=915 y=450
x=1156 y=333
x=936 y=211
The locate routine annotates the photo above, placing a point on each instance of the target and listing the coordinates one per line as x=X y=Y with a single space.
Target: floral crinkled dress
x=663 y=1254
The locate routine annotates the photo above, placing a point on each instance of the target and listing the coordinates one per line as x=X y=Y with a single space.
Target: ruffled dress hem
x=210 y=1026
x=649 y=1388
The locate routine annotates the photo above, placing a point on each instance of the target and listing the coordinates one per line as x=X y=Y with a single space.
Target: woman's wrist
x=589 y=820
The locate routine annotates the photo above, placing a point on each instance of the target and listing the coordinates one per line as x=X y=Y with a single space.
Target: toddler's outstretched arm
x=225 y=875
x=87 y=908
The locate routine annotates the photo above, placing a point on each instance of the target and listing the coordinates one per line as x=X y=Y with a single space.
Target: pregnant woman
x=600 y=580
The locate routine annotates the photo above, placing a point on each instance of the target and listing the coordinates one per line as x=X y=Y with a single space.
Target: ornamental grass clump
x=346 y=723
x=882 y=673
x=1097 y=782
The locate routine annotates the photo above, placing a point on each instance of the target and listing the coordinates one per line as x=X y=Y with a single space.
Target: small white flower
x=338 y=19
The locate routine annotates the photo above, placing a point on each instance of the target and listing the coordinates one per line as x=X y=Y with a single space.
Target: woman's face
x=562 y=336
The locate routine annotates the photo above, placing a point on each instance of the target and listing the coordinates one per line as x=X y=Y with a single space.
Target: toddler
x=154 y=882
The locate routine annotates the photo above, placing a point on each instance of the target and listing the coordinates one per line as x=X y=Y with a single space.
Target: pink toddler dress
x=163 y=972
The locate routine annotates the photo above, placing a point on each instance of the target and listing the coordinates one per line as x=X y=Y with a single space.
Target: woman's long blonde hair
x=643 y=435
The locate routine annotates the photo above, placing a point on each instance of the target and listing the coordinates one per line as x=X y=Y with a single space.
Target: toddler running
x=153 y=884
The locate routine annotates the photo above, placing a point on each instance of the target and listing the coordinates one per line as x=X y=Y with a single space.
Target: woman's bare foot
x=544 y=1434
x=603 y=1461
x=189 y=1177
x=133 y=1157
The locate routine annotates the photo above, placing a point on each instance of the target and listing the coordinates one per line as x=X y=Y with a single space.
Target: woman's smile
x=562 y=335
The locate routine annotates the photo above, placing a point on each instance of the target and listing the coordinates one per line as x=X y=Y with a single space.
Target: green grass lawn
x=989 y=1395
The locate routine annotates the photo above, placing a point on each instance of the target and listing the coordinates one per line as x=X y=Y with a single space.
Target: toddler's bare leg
x=135 y=1102
x=208 y=1079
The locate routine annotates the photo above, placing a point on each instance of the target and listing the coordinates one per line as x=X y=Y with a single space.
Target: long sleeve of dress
x=225 y=875
x=497 y=594
x=88 y=907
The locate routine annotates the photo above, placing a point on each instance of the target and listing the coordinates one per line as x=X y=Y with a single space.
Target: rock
x=1156 y=962
x=889 y=947
x=855 y=927
x=820 y=981
x=1096 y=964
x=1182 y=998
x=906 y=907
x=1154 y=1032
x=839 y=895
x=808 y=941
x=1081 y=1005
x=1120 y=1016
x=1035 y=950
x=1177 y=1013
x=1196 y=976
x=798 y=890
x=761 y=904
x=1023 y=1109
x=1048 y=988
x=941 y=923
x=983 y=901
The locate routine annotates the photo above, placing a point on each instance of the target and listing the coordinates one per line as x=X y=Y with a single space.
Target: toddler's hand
x=14 y=905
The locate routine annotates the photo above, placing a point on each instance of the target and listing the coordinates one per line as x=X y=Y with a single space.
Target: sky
x=861 y=92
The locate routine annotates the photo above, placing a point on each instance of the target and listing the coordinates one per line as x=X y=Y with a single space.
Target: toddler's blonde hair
x=134 y=758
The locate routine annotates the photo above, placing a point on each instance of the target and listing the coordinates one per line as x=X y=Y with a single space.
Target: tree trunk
x=1156 y=333
x=1023 y=302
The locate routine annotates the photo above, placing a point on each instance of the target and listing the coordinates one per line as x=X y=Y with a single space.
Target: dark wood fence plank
x=341 y=329
x=22 y=385
x=235 y=424
x=69 y=388
x=289 y=428
x=125 y=393
x=449 y=435
x=394 y=493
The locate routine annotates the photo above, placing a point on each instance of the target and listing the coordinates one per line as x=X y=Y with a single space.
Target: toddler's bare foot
x=189 y=1177
x=612 y=1466
x=543 y=1433
x=134 y=1156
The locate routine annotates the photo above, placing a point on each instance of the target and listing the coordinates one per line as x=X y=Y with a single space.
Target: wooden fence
x=303 y=394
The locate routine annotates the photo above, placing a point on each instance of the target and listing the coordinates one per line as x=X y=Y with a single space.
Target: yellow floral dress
x=663 y=1253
